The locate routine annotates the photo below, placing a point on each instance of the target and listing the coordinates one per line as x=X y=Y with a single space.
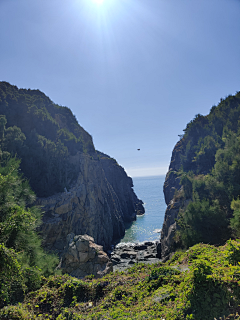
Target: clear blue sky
x=134 y=72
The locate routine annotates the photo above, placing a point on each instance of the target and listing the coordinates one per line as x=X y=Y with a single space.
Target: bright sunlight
x=99 y=2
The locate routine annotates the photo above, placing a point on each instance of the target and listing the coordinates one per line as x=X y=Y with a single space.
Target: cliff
x=202 y=184
x=91 y=206
x=122 y=185
x=170 y=188
x=79 y=189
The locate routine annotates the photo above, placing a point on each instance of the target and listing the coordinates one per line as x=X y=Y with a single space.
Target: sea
x=147 y=227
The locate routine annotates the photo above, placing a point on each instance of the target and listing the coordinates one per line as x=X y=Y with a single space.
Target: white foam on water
x=157 y=230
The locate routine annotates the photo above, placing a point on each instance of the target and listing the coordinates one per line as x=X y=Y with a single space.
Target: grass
x=201 y=283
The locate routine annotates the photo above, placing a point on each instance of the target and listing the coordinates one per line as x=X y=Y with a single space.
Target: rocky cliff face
x=171 y=185
x=97 y=204
x=56 y=152
x=122 y=185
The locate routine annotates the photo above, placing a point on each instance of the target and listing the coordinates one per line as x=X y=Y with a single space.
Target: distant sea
x=147 y=227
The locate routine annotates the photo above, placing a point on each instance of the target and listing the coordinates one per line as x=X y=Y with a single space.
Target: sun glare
x=99 y=2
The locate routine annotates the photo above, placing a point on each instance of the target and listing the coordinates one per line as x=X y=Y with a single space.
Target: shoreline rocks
x=125 y=255
x=83 y=257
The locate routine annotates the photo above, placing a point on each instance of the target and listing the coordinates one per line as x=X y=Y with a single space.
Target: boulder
x=82 y=257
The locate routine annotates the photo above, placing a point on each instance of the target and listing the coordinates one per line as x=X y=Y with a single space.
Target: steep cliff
x=122 y=185
x=170 y=188
x=91 y=206
x=203 y=180
x=80 y=190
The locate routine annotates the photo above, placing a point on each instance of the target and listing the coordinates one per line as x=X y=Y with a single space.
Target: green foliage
x=12 y=283
x=210 y=176
x=199 y=284
x=43 y=135
x=202 y=222
x=74 y=288
x=235 y=221
x=233 y=252
x=17 y=312
x=208 y=297
x=22 y=259
x=187 y=186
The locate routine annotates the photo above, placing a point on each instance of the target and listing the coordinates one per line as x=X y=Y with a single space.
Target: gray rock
x=125 y=255
x=97 y=204
x=159 y=254
x=140 y=247
x=128 y=255
x=115 y=257
x=171 y=186
x=122 y=185
x=83 y=257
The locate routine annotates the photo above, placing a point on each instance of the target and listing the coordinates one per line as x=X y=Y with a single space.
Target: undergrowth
x=202 y=283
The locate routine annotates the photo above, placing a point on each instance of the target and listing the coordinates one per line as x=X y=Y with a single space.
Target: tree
x=3 y=122
x=235 y=221
x=202 y=222
x=22 y=259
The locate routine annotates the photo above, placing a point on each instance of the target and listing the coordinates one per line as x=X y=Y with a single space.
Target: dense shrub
x=210 y=176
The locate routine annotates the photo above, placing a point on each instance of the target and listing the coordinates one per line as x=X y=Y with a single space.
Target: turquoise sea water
x=150 y=191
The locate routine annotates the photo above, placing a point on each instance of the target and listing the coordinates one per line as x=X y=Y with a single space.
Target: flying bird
x=138 y=149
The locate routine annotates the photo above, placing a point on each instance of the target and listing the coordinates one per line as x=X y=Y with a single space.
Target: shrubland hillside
x=205 y=174
x=201 y=284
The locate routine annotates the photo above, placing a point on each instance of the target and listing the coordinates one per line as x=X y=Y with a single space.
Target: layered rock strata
x=83 y=257
x=91 y=206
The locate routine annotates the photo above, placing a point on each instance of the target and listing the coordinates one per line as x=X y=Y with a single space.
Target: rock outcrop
x=83 y=257
x=91 y=206
x=122 y=185
x=171 y=186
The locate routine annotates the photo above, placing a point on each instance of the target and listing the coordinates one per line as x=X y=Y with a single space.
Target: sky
x=133 y=72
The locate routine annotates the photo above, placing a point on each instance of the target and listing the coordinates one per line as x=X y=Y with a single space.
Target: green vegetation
x=43 y=135
x=40 y=139
x=210 y=176
x=200 y=284
x=22 y=259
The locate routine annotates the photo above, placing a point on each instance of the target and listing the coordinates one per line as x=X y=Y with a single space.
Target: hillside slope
x=202 y=185
x=200 y=284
